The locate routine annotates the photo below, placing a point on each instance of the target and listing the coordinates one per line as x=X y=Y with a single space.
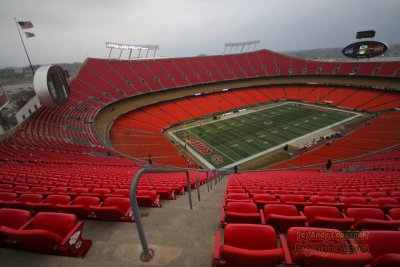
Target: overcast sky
x=72 y=30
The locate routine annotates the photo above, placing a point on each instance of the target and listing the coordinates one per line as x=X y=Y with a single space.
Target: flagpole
x=26 y=52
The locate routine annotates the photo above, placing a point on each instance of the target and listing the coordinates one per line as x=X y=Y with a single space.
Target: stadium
x=211 y=160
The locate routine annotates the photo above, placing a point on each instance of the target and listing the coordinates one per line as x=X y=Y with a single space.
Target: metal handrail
x=148 y=253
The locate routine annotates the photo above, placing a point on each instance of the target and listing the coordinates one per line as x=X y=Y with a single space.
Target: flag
x=29 y=34
x=25 y=24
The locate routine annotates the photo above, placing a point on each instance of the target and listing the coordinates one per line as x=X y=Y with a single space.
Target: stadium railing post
x=210 y=180
x=189 y=187
x=198 y=185
x=208 y=186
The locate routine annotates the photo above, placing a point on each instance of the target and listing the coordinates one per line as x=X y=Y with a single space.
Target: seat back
x=353 y=200
x=59 y=190
x=235 y=190
x=281 y=209
x=152 y=194
x=384 y=201
x=34 y=198
x=352 y=194
x=237 y=196
x=241 y=207
x=292 y=198
x=59 y=223
x=319 y=199
x=7 y=196
x=376 y=194
x=365 y=213
x=250 y=236
x=263 y=197
x=14 y=218
x=101 y=191
x=323 y=211
x=21 y=188
x=39 y=189
x=86 y=201
x=122 y=203
x=395 y=213
x=58 y=199
x=122 y=192
x=6 y=187
x=79 y=190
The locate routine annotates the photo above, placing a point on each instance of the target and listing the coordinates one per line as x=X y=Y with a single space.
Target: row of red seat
x=257 y=245
x=306 y=198
x=284 y=216
x=45 y=232
x=138 y=77
x=111 y=208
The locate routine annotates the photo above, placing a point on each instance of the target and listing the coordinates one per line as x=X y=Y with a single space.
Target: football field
x=237 y=138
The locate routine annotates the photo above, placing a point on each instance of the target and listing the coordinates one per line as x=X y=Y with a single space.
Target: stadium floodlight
x=225 y=89
x=237 y=45
x=198 y=94
x=131 y=47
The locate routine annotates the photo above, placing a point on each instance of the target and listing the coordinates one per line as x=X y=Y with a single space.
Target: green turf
x=240 y=137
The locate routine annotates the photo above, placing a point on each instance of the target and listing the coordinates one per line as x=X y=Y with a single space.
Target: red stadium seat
x=394 y=213
x=283 y=216
x=50 y=233
x=236 y=197
x=113 y=209
x=165 y=192
x=247 y=245
x=385 y=203
x=383 y=245
x=312 y=247
x=23 y=202
x=240 y=212
x=14 y=218
x=6 y=187
x=148 y=198
x=79 y=190
x=326 y=201
x=356 y=202
x=376 y=194
x=371 y=219
x=235 y=190
x=49 y=204
x=101 y=192
x=7 y=196
x=326 y=217
x=120 y=192
x=80 y=206
x=21 y=189
x=257 y=191
x=298 y=200
x=262 y=199
x=39 y=189
x=59 y=190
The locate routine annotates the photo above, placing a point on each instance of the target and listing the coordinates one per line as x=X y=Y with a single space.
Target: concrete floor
x=179 y=236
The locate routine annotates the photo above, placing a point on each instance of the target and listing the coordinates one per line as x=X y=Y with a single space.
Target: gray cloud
x=72 y=30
